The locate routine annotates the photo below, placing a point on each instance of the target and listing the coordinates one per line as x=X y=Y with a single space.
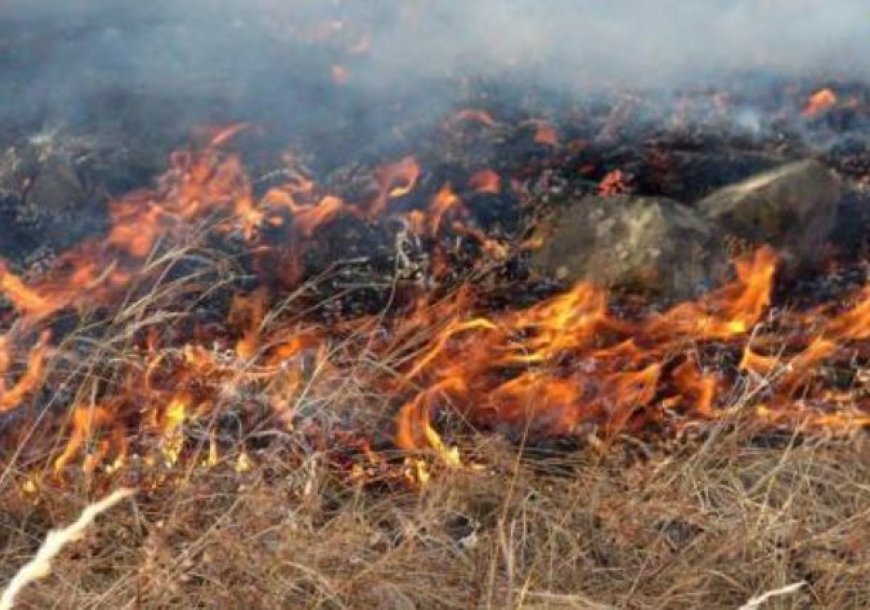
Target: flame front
x=566 y=365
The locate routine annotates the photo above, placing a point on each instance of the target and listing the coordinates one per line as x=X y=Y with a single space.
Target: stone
x=792 y=208
x=651 y=244
x=851 y=234
x=51 y=196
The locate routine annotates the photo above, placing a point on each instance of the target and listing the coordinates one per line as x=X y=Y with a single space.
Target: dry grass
x=707 y=524
x=40 y=566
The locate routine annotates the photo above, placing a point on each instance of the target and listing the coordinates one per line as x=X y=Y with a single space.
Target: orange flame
x=445 y=200
x=394 y=180
x=485 y=181
x=613 y=183
x=819 y=101
x=32 y=377
x=545 y=133
x=567 y=364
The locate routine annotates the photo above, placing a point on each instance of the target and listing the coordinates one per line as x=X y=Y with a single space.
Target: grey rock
x=792 y=208
x=652 y=244
x=50 y=194
x=56 y=192
x=851 y=235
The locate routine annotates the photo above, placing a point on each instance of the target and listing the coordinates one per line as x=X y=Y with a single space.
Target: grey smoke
x=639 y=42
x=221 y=58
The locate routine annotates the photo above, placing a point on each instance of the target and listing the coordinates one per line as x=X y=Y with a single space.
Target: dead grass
x=707 y=524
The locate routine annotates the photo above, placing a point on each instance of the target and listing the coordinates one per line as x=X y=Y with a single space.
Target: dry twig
x=40 y=566
x=755 y=602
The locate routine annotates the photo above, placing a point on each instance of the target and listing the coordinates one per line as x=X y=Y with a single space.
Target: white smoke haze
x=209 y=56
x=645 y=42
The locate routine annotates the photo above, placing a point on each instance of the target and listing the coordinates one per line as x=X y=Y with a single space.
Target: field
x=704 y=523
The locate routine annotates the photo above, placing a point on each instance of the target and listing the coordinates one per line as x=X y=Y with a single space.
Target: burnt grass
x=708 y=519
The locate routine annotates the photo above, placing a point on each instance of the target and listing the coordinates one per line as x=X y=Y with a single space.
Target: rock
x=55 y=192
x=851 y=233
x=792 y=208
x=689 y=175
x=50 y=194
x=653 y=244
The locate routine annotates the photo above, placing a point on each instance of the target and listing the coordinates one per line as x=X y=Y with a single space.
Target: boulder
x=851 y=233
x=792 y=207
x=652 y=244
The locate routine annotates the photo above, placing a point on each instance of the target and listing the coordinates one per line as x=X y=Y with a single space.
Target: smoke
x=316 y=64
x=590 y=43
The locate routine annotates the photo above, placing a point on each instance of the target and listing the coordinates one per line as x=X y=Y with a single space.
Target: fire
x=394 y=180
x=485 y=181
x=11 y=397
x=854 y=324
x=819 y=101
x=573 y=363
x=545 y=133
x=471 y=115
x=583 y=366
x=613 y=183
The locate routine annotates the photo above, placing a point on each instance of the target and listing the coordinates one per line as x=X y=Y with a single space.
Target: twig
x=756 y=602
x=40 y=566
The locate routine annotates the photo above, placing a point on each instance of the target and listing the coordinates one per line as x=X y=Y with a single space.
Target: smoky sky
x=79 y=59
x=644 y=42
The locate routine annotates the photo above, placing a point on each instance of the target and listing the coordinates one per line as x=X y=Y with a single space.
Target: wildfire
x=613 y=183
x=545 y=133
x=819 y=101
x=395 y=180
x=568 y=364
x=485 y=181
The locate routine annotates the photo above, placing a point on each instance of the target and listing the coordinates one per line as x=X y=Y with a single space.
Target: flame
x=568 y=364
x=394 y=180
x=89 y=424
x=854 y=323
x=728 y=312
x=545 y=133
x=580 y=365
x=613 y=183
x=485 y=181
x=33 y=373
x=443 y=201
x=819 y=101
x=28 y=301
x=249 y=311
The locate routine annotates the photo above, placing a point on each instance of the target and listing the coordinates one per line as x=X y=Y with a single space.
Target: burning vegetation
x=663 y=295
x=134 y=338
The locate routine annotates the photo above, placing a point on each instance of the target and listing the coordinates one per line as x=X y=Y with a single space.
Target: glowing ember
x=819 y=101
x=395 y=180
x=545 y=133
x=485 y=181
x=614 y=183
